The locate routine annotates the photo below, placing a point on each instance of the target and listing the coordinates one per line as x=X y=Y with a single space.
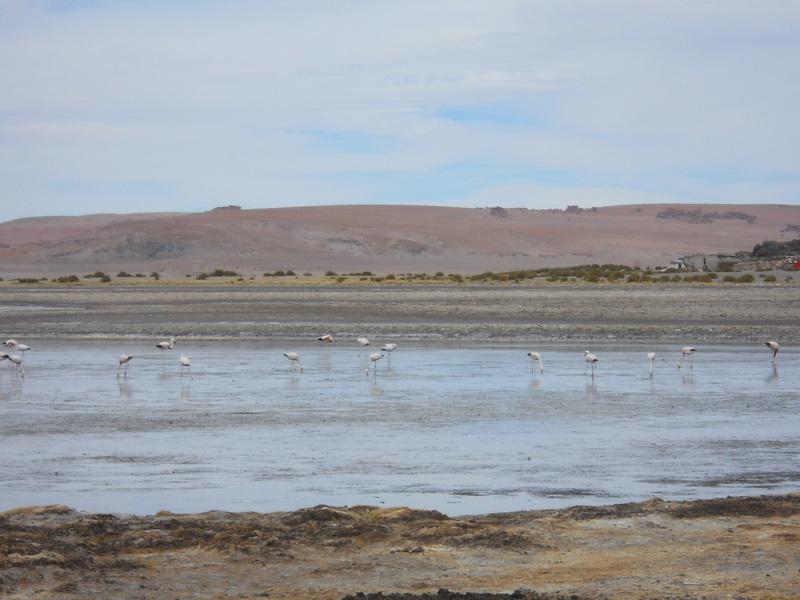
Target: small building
x=710 y=262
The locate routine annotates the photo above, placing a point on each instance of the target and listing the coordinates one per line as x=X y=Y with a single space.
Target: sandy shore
x=680 y=313
x=729 y=548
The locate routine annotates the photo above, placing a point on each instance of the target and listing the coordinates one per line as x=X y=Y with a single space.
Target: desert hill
x=385 y=238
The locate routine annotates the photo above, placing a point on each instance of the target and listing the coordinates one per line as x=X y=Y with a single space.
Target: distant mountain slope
x=385 y=238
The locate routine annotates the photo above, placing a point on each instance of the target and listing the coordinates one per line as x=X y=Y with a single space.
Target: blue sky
x=121 y=106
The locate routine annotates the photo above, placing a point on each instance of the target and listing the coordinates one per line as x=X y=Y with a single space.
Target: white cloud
x=215 y=101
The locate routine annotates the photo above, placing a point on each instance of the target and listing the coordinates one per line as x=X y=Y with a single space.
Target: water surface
x=459 y=429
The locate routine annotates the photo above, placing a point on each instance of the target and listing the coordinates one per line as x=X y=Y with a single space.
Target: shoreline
x=719 y=548
x=485 y=313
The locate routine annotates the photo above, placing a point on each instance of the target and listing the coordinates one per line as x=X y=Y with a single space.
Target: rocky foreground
x=726 y=548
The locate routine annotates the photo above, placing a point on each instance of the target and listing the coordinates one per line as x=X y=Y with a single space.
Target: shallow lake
x=462 y=429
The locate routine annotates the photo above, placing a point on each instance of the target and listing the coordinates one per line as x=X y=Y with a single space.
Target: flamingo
x=166 y=345
x=373 y=360
x=774 y=346
x=536 y=358
x=124 y=359
x=19 y=365
x=590 y=359
x=389 y=348
x=363 y=341
x=186 y=363
x=17 y=346
x=651 y=357
x=293 y=357
x=327 y=338
x=686 y=354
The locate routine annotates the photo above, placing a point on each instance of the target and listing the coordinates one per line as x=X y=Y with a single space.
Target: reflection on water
x=459 y=429
x=773 y=376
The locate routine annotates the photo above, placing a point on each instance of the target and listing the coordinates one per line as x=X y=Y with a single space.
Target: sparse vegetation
x=746 y=278
x=218 y=273
x=67 y=279
x=27 y=280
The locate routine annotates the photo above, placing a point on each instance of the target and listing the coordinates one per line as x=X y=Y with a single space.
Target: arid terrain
x=729 y=548
x=658 y=313
x=384 y=239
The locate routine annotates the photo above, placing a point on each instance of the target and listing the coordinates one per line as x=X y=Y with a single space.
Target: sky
x=184 y=105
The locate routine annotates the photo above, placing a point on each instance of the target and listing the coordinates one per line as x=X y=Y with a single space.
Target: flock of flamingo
x=590 y=359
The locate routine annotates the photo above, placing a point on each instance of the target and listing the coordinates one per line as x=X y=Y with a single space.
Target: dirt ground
x=727 y=548
x=662 y=313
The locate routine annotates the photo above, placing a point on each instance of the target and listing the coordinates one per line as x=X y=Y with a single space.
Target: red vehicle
x=797 y=265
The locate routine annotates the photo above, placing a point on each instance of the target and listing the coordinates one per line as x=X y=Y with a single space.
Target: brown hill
x=384 y=238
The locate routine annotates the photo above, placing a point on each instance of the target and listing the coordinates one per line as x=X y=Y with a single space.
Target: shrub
x=68 y=279
x=105 y=279
x=439 y=274
x=390 y=276
x=223 y=273
x=156 y=276
x=202 y=276
x=124 y=274
x=341 y=279
x=330 y=273
x=290 y=273
x=746 y=278
x=96 y=274
x=770 y=279
x=307 y=274
x=27 y=280
x=634 y=278
x=729 y=279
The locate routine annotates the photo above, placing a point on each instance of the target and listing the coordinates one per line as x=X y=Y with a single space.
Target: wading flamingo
x=590 y=359
x=389 y=348
x=294 y=358
x=363 y=341
x=774 y=346
x=686 y=354
x=166 y=345
x=373 y=360
x=651 y=357
x=186 y=363
x=536 y=358
x=327 y=338
x=19 y=365
x=124 y=359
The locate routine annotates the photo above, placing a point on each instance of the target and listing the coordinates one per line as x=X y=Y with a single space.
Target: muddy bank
x=471 y=313
x=729 y=548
